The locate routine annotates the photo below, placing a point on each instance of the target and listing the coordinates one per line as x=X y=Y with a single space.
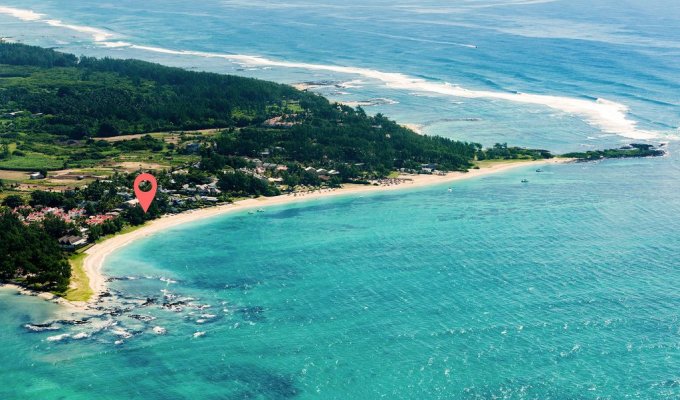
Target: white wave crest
x=115 y=44
x=24 y=15
x=58 y=338
x=608 y=116
x=81 y=335
x=98 y=35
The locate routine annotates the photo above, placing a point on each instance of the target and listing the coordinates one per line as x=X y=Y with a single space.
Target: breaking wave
x=608 y=116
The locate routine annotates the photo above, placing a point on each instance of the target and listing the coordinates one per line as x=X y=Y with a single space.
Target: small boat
x=251 y=212
x=525 y=181
x=539 y=170
x=260 y=210
x=450 y=190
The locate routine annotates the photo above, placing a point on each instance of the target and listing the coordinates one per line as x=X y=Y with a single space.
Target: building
x=99 y=219
x=130 y=203
x=37 y=175
x=72 y=242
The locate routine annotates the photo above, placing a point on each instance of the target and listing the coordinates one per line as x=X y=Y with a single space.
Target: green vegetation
x=79 y=289
x=55 y=106
x=631 y=151
x=30 y=256
x=31 y=161
x=70 y=118
x=501 y=151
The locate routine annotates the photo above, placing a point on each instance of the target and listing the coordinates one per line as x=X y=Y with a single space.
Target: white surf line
x=24 y=15
x=98 y=35
x=608 y=116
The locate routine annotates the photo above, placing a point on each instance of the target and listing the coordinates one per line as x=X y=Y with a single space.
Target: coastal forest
x=49 y=95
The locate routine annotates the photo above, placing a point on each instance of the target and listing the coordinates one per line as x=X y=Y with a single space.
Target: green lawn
x=79 y=289
x=32 y=162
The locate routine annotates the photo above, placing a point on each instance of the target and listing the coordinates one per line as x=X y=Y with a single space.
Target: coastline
x=97 y=254
x=47 y=296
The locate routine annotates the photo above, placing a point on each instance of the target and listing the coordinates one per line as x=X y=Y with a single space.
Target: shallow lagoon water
x=565 y=287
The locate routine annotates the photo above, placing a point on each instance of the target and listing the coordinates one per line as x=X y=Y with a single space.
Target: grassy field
x=489 y=163
x=32 y=162
x=168 y=137
x=80 y=284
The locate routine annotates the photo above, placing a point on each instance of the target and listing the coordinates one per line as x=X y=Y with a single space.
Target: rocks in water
x=174 y=307
x=42 y=327
x=143 y=318
x=149 y=301
x=122 y=333
x=72 y=321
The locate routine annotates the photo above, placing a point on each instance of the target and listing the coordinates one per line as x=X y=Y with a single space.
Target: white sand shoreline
x=97 y=254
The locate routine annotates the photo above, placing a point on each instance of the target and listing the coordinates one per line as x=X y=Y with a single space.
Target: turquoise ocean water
x=562 y=288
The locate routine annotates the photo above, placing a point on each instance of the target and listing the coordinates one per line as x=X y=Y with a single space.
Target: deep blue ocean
x=563 y=288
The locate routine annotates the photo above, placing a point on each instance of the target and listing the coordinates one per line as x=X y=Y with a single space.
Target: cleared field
x=13 y=175
x=168 y=137
x=32 y=162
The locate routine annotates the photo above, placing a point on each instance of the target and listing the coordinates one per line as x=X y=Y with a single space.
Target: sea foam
x=606 y=115
x=24 y=15
x=98 y=35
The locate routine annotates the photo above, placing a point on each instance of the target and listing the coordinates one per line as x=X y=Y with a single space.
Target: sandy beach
x=96 y=255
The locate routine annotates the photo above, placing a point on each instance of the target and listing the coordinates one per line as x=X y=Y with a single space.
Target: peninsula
x=75 y=132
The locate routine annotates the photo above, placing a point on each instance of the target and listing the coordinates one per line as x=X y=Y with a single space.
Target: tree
x=96 y=232
x=13 y=201
x=135 y=215
x=47 y=199
x=5 y=153
x=112 y=226
x=57 y=227
x=29 y=253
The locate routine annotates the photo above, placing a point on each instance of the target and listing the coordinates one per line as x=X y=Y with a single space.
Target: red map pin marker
x=145 y=198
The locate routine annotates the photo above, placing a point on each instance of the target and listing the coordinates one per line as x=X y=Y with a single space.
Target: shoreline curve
x=97 y=254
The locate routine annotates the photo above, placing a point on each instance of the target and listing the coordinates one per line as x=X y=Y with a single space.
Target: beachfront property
x=72 y=242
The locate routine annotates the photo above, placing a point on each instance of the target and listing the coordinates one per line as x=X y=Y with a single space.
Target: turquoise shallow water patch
x=562 y=287
x=565 y=287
